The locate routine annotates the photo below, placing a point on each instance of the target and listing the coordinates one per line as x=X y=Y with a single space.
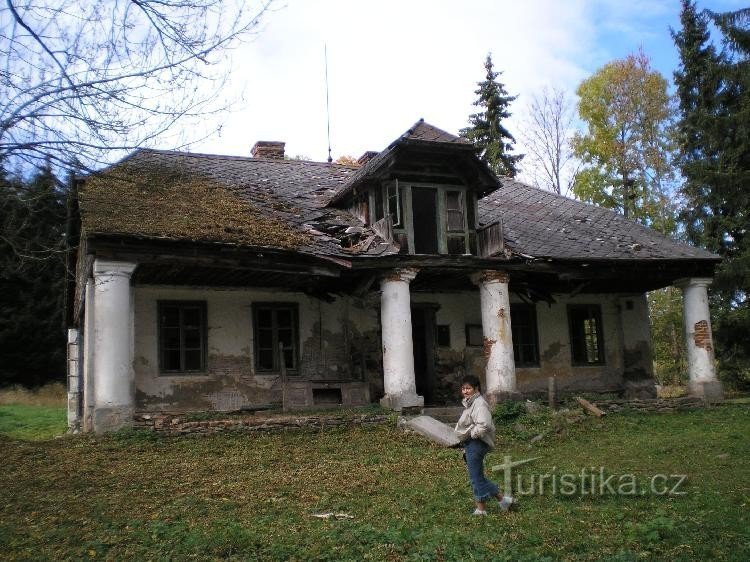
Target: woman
x=476 y=432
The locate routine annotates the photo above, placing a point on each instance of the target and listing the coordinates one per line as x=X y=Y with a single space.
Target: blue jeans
x=475 y=450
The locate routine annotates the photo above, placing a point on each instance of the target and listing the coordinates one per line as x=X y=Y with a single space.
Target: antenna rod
x=328 y=110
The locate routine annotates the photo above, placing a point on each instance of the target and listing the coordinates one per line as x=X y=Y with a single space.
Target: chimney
x=268 y=149
x=366 y=157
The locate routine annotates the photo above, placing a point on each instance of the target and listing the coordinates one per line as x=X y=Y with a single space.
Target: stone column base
x=398 y=402
x=112 y=418
x=710 y=391
x=494 y=397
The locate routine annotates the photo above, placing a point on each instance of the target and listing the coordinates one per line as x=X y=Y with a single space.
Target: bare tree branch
x=547 y=133
x=79 y=80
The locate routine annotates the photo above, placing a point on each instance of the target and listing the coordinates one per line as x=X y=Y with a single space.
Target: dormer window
x=428 y=218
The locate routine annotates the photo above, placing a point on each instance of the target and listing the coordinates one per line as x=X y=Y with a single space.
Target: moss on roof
x=167 y=201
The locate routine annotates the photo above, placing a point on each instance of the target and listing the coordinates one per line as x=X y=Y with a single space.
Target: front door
x=423 y=338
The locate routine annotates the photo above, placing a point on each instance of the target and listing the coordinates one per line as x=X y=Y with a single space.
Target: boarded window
x=275 y=328
x=586 y=341
x=525 y=338
x=182 y=336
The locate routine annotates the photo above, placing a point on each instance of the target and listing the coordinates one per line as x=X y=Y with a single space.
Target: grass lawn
x=135 y=496
x=23 y=421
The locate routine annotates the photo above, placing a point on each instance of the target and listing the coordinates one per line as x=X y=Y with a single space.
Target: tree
x=713 y=132
x=547 y=136
x=625 y=151
x=80 y=79
x=32 y=278
x=486 y=128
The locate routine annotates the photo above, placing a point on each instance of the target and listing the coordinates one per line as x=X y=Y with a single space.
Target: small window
x=454 y=208
x=586 y=341
x=275 y=333
x=525 y=337
x=474 y=335
x=394 y=202
x=182 y=336
x=443 y=335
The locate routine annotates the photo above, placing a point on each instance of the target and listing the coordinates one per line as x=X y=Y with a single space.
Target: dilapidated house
x=209 y=282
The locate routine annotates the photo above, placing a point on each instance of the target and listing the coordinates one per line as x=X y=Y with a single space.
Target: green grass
x=137 y=496
x=22 y=421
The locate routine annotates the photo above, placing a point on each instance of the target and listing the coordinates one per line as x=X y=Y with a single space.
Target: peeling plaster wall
x=325 y=334
x=341 y=341
x=636 y=337
x=630 y=333
x=554 y=349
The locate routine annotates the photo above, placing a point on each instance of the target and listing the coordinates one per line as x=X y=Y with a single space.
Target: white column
x=114 y=381
x=500 y=373
x=698 y=338
x=398 y=350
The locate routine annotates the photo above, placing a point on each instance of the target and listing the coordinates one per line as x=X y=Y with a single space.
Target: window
x=275 y=326
x=474 y=335
x=586 y=342
x=525 y=336
x=393 y=196
x=454 y=208
x=443 y=332
x=182 y=336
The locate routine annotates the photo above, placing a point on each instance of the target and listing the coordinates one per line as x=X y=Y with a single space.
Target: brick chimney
x=268 y=149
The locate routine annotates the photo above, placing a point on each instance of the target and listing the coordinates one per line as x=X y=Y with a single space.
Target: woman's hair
x=472 y=381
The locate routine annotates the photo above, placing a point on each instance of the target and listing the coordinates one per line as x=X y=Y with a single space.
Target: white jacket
x=476 y=421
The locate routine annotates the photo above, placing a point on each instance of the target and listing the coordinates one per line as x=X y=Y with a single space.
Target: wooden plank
x=490 y=240
x=588 y=406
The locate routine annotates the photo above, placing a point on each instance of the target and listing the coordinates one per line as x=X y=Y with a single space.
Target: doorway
x=423 y=339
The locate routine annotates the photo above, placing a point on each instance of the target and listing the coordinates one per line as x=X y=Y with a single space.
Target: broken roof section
x=251 y=202
x=425 y=137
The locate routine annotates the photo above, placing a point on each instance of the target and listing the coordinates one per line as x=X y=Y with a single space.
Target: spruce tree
x=486 y=128
x=713 y=89
x=32 y=278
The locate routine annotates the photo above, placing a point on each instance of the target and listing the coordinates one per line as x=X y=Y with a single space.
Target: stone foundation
x=175 y=424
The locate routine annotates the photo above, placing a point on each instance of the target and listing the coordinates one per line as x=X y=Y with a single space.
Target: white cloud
x=392 y=62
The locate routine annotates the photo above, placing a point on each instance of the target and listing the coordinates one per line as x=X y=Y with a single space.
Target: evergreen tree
x=486 y=129
x=714 y=157
x=32 y=278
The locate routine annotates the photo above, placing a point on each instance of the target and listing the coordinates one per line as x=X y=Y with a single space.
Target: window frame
x=532 y=334
x=578 y=337
x=182 y=305
x=274 y=306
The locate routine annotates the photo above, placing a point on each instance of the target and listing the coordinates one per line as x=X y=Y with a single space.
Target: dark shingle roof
x=286 y=204
x=540 y=223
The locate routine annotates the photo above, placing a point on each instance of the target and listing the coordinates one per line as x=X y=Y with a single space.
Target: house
x=208 y=282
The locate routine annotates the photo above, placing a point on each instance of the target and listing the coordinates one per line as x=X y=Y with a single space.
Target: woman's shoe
x=507 y=502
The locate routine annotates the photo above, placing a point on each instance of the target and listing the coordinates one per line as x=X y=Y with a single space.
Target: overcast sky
x=392 y=62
